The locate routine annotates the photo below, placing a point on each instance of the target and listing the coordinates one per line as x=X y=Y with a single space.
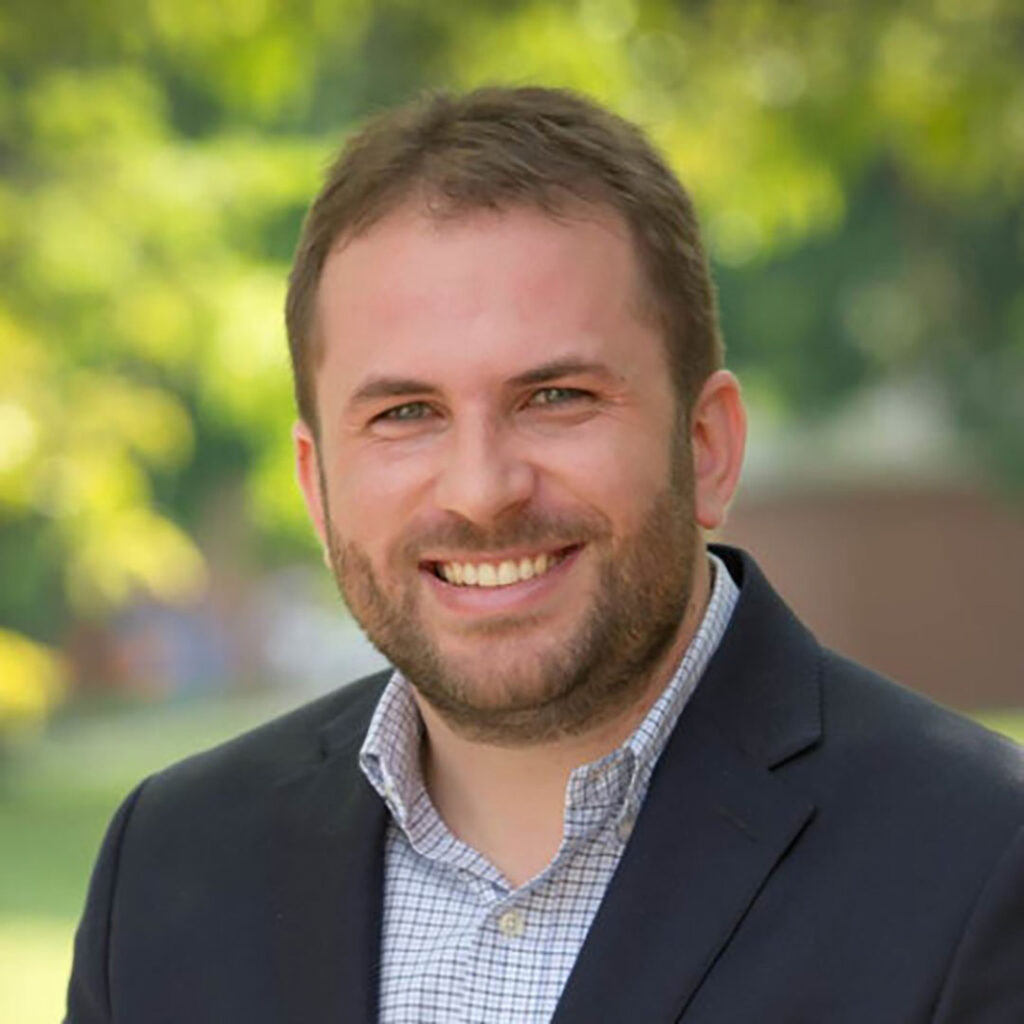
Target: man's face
x=500 y=477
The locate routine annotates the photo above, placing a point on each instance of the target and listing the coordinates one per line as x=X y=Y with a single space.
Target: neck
x=508 y=802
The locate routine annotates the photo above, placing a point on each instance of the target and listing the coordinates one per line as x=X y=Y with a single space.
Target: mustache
x=530 y=529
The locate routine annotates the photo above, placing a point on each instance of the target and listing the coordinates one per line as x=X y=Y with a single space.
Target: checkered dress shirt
x=459 y=943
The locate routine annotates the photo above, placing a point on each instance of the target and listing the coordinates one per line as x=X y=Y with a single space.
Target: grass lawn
x=1009 y=722
x=34 y=956
x=56 y=797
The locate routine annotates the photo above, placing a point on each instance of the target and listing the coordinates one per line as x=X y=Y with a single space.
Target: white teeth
x=503 y=574
x=452 y=572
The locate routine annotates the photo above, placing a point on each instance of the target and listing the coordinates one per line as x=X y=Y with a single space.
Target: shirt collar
x=614 y=785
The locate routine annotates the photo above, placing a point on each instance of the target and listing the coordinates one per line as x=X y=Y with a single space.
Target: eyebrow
x=375 y=388
x=390 y=387
x=558 y=368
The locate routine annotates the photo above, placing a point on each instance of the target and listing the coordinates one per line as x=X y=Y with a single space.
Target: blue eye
x=405 y=412
x=557 y=396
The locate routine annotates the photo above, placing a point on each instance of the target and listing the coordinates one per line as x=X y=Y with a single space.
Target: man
x=611 y=777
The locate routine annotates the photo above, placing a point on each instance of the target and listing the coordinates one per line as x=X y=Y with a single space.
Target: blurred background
x=859 y=170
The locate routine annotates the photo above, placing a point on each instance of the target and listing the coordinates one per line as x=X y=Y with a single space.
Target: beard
x=566 y=684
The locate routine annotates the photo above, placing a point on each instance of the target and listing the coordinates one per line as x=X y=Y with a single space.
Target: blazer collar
x=762 y=688
x=716 y=822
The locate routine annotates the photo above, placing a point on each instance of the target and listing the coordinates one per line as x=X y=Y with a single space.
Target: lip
x=524 y=596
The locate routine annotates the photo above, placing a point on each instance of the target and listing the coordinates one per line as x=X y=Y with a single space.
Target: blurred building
x=888 y=542
x=924 y=585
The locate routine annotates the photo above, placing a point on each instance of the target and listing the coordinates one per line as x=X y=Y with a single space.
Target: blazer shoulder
x=889 y=731
x=281 y=748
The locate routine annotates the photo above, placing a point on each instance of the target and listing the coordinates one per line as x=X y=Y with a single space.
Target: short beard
x=643 y=590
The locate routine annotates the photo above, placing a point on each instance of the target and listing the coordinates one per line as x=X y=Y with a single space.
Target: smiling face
x=500 y=473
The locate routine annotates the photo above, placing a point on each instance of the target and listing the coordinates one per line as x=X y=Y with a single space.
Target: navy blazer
x=817 y=845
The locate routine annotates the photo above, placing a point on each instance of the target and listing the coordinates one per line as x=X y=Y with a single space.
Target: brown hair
x=494 y=148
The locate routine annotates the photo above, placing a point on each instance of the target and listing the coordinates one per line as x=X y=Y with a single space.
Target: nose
x=483 y=475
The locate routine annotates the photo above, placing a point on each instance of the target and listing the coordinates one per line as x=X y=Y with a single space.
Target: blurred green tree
x=859 y=168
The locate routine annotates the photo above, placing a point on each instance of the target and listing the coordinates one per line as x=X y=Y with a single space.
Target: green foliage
x=859 y=169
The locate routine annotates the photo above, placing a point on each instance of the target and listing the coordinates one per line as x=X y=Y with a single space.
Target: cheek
x=374 y=500
x=617 y=472
x=390 y=470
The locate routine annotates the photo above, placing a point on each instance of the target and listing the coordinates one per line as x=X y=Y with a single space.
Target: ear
x=307 y=470
x=718 y=435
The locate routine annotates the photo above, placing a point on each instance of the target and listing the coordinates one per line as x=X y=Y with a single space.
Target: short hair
x=496 y=148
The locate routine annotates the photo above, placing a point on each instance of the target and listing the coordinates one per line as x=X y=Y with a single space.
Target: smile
x=501 y=573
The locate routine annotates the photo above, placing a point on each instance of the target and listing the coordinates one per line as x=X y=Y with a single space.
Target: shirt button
x=511 y=924
x=625 y=828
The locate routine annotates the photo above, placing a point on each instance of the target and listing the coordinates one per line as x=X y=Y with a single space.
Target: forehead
x=487 y=289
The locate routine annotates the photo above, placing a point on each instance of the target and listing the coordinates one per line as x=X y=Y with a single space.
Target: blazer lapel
x=711 y=832
x=327 y=879
x=716 y=821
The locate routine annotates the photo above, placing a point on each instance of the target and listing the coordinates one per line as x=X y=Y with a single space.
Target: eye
x=404 y=413
x=558 y=396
